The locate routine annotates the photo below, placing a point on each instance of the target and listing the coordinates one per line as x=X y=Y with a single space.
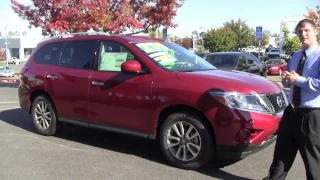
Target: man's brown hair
x=303 y=22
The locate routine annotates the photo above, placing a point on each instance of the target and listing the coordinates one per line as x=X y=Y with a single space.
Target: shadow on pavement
x=144 y=148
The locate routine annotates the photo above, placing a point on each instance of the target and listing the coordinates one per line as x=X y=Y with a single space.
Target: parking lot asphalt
x=80 y=153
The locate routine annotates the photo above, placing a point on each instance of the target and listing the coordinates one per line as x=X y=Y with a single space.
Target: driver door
x=119 y=99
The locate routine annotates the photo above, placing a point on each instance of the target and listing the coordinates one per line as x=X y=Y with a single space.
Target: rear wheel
x=44 y=116
x=186 y=141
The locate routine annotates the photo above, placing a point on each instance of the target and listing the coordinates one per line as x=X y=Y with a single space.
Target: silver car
x=6 y=71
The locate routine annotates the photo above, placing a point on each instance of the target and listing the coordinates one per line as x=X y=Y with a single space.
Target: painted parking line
x=9 y=102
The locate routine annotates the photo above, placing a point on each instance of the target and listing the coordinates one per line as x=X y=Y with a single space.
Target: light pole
x=5 y=36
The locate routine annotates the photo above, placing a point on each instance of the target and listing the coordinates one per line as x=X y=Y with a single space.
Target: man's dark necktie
x=296 y=89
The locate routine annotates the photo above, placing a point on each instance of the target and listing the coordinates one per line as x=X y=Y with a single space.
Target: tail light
x=23 y=70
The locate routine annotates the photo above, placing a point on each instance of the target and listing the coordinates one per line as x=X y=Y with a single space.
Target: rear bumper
x=242 y=151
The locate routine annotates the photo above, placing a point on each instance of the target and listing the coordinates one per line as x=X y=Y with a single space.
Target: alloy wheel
x=184 y=141
x=43 y=115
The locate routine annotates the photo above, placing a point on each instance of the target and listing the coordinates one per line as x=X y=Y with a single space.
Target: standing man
x=299 y=128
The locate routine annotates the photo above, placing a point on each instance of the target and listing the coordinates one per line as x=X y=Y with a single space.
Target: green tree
x=242 y=31
x=151 y=32
x=221 y=39
x=290 y=44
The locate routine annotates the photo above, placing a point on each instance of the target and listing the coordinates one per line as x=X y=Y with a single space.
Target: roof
x=129 y=38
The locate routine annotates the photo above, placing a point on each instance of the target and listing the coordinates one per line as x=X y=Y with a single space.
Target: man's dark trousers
x=299 y=129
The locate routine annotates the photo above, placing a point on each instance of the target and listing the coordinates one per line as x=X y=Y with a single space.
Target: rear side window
x=48 y=54
x=78 y=54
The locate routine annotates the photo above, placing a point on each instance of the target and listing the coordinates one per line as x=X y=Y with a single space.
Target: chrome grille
x=277 y=101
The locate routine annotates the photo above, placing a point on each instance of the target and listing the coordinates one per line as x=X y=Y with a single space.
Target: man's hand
x=289 y=77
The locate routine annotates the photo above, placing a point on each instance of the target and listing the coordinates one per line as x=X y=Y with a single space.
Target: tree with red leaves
x=313 y=14
x=113 y=16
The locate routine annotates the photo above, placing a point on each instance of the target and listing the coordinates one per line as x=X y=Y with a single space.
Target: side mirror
x=131 y=66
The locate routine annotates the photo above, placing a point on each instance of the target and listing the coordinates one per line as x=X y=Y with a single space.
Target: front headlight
x=246 y=102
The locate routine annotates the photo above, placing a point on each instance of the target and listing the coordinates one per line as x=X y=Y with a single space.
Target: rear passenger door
x=68 y=81
x=44 y=59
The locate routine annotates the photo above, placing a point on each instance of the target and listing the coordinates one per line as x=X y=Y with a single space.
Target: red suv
x=150 y=88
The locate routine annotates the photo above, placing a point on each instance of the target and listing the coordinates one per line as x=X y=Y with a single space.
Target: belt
x=304 y=109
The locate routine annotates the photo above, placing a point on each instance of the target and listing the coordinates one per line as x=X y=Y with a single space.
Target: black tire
x=54 y=125
x=206 y=153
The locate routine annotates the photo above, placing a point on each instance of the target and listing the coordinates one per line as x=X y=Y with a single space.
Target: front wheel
x=186 y=141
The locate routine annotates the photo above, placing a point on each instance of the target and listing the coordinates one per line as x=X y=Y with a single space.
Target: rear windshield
x=223 y=61
x=273 y=62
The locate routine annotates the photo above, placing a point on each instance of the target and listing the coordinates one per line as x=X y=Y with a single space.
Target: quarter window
x=48 y=54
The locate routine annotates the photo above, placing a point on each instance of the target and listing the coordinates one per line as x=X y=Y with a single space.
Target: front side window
x=223 y=60
x=172 y=57
x=242 y=60
x=112 y=55
x=251 y=59
x=78 y=54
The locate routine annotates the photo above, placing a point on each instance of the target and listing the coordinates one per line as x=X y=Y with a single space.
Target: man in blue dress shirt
x=299 y=128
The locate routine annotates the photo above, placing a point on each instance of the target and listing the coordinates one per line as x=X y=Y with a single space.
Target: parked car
x=276 y=66
x=14 y=60
x=150 y=88
x=240 y=61
x=274 y=53
x=6 y=71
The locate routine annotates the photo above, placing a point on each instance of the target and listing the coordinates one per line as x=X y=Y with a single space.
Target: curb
x=9 y=80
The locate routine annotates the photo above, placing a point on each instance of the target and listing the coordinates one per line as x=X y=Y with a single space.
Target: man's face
x=307 y=34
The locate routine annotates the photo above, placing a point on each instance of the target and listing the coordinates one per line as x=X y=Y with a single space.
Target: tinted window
x=48 y=54
x=78 y=54
x=112 y=55
x=273 y=61
x=223 y=61
x=251 y=59
x=242 y=60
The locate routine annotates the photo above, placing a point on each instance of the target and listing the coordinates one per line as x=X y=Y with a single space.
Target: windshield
x=275 y=51
x=172 y=57
x=273 y=62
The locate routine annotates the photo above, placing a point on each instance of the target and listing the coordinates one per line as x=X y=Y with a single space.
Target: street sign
x=164 y=33
x=259 y=33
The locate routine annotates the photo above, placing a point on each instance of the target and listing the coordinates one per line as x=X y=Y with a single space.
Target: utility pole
x=5 y=36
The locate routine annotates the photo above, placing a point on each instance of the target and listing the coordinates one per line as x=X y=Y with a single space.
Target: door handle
x=95 y=83
x=51 y=77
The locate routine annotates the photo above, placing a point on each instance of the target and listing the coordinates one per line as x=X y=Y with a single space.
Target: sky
x=195 y=14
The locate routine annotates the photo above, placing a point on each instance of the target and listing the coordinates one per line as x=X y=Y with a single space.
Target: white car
x=14 y=60
x=6 y=71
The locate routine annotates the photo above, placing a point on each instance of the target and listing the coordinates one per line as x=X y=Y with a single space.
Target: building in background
x=20 y=47
x=290 y=22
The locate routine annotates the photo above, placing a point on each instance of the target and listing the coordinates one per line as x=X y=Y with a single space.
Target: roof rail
x=78 y=34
